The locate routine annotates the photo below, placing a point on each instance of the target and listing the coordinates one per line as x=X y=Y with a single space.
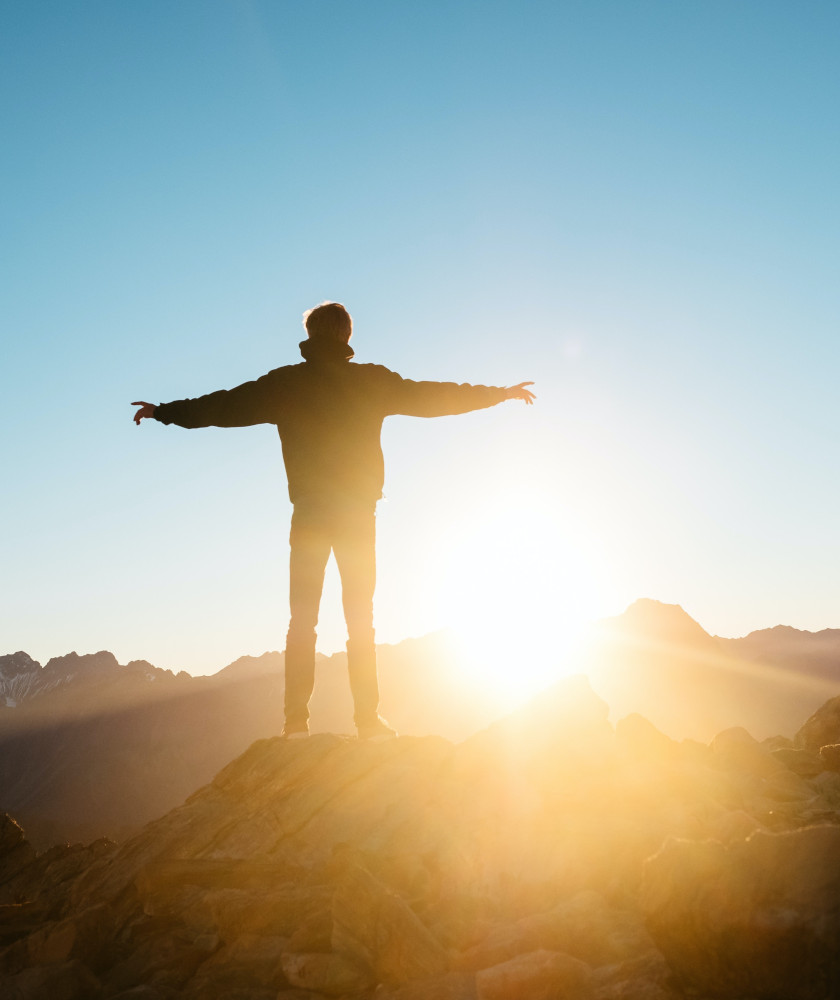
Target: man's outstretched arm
x=440 y=399
x=251 y=403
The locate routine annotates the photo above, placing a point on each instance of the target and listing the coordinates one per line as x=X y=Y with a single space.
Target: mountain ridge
x=644 y=617
x=93 y=727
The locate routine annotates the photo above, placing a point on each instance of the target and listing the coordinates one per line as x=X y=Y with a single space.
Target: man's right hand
x=520 y=392
x=146 y=410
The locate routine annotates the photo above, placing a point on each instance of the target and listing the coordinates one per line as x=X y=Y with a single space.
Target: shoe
x=295 y=732
x=378 y=732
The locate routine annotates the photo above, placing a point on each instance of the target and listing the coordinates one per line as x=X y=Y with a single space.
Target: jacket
x=329 y=413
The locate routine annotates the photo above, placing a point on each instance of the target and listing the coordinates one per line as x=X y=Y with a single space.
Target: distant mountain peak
x=655 y=619
x=88 y=663
x=15 y=664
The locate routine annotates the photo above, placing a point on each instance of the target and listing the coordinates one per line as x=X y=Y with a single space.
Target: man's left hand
x=520 y=392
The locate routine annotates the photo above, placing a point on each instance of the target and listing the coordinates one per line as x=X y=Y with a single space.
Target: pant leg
x=354 y=544
x=309 y=545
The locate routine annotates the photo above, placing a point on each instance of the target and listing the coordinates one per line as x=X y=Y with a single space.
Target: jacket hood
x=326 y=350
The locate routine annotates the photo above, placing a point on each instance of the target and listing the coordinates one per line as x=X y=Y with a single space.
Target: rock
x=647 y=977
x=233 y=912
x=759 y=918
x=776 y=743
x=145 y=993
x=231 y=896
x=735 y=748
x=157 y=955
x=567 y=722
x=538 y=975
x=785 y=786
x=450 y=986
x=637 y=737
x=822 y=729
x=830 y=756
x=18 y=920
x=314 y=933
x=82 y=936
x=509 y=866
x=375 y=928
x=252 y=960
x=16 y=854
x=165 y=876
x=11 y=836
x=734 y=825
x=583 y=927
x=805 y=763
x=60 y=981
x=211 y=991
x=331 y=974
x=36 y=884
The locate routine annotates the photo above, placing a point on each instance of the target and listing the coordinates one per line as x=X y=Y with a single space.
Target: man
x=329 y=413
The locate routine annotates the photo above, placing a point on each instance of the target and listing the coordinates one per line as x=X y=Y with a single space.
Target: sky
x=633 y=204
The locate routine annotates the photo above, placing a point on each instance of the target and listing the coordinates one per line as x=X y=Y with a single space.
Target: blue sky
x=634 y=204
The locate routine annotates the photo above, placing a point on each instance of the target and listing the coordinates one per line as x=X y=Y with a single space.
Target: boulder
x=59 y=981
x=378 y=930
x=147 y=993
x=736 y=824
x=155 y=954
x=759 y=918
x=450 y=986
x=313 y=934
x=32 y=883
x=538 y=975
x=583 y=927
x=252 y=960
x=332 y=975
x=735 y=748
x=822 y=729
x=84 y=936
x=785 y=786
x=805 y=763
x=646 y=977
x=830 y=756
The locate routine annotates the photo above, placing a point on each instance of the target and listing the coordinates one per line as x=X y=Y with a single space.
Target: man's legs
x=354 y=544
x=309 y=544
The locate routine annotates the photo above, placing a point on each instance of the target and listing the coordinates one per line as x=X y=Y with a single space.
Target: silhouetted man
x=329 y=413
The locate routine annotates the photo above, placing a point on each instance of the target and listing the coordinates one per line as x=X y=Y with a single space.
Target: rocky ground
x=548 y=857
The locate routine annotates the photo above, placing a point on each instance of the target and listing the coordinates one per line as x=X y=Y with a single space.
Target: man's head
x=329 y=321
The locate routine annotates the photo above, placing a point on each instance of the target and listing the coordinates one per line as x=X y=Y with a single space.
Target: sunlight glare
x=522 y=588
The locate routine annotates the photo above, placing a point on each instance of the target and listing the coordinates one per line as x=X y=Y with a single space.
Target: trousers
x=348 y=531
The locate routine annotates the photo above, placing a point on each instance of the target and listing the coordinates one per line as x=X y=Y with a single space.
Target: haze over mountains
x=90 y=747
x=656 y=660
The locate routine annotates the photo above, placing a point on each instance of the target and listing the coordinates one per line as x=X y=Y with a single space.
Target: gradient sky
x=634 y=204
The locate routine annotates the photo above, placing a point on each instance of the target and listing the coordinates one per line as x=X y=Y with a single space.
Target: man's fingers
x=520 y=392
x=146 y=410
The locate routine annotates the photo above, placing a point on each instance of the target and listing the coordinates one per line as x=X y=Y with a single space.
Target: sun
x=522 y=587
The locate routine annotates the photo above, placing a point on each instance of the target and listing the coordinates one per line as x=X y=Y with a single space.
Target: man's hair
x=328 y=321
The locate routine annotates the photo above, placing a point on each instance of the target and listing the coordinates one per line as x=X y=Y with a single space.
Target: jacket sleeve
x=250 y=403
x=439 y=399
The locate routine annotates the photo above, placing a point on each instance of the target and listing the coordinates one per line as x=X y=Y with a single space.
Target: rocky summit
x=549 y=856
